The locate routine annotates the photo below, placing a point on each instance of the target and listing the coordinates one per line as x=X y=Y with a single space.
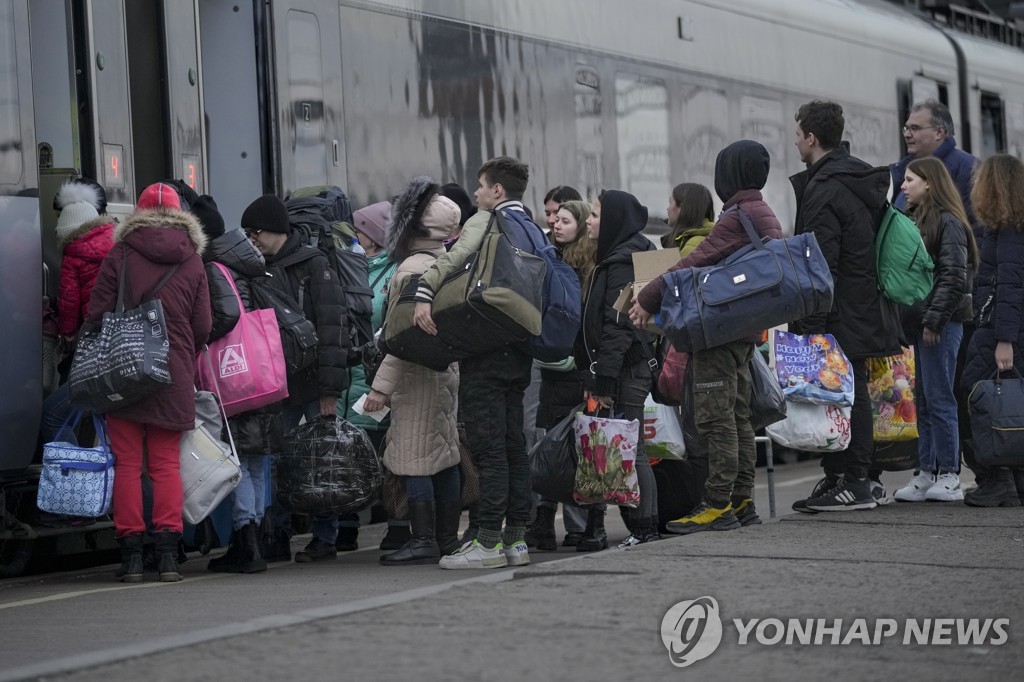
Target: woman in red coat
x=156 y=237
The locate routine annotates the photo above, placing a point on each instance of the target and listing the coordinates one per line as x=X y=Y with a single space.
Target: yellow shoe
x=705 y=517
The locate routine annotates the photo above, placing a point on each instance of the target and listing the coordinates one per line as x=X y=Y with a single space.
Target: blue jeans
x=56 y=409
x=938 y=445
x=251 y=493
x=442 y=486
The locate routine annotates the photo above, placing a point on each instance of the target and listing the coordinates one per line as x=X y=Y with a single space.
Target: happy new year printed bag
x=76 y=480
x=248 y=360
x=125 y=359
x=606 y=469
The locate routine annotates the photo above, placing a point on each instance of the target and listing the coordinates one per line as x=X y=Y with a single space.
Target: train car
x=240 y=98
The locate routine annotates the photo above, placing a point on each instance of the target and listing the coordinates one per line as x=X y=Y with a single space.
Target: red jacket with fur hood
x=151 y=241
x=84 y=251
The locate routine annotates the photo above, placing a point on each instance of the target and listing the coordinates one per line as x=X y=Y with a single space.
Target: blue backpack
x=560 y=317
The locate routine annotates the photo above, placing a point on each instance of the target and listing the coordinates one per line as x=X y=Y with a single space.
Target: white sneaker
x=474 y=555
x=517 y=554
x=878 y=492
x=946 y=489
x=917 y=489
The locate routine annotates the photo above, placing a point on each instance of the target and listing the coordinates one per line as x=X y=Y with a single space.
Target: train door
x=20 y=251
x=307 y=64
x=166 y=92
x=230 y=40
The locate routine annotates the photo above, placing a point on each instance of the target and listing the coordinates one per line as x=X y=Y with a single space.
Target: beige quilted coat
x=423 y=438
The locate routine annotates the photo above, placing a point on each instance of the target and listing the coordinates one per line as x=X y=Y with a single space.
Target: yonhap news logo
x=692 y=630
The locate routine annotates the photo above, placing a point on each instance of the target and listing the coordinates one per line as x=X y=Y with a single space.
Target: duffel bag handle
x=220 y=403
x=1014 y=373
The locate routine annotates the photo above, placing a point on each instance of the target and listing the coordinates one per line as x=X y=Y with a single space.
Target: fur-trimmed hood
x=85 y=229
x=162 y=235
x=406 y=214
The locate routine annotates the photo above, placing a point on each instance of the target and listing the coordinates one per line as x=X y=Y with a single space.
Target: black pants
x=491 y=388
x=855 y=461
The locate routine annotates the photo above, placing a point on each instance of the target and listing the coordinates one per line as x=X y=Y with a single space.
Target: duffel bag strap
x=748 y=225
x=220 y=402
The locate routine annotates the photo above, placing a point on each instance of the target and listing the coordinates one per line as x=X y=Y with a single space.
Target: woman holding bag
x=614 y=354
x=936 y=325
x=561 y=389
x=158 y=236
x=256 y=433
x=998 y=198
x=423 y=442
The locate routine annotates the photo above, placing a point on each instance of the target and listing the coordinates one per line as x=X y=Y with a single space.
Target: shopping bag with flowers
x=607 y=460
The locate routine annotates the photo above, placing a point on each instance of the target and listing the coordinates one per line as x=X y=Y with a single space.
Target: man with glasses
x=929 y=132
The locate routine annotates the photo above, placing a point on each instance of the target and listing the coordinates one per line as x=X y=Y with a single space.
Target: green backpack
x=904 y=268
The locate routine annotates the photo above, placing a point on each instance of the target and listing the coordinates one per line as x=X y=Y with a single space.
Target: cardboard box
x=646 y=266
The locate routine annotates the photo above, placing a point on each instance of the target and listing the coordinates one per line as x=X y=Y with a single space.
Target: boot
x=997 y=490
x=131 y=559
x=167 y=551
x=422 y=547
x=541 y=533
x=594 y=536
x=446 y=525
x=231 y=561
x=276 y=545
x=249 y=558
x=396 y=537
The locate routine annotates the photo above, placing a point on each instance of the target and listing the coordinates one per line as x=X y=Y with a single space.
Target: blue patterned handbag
x=75 y=480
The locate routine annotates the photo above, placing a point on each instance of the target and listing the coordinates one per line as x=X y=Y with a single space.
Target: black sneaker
x=348 y=540
x=743 y=508
x=820 y=488
x=316 y=550
x=849 y=495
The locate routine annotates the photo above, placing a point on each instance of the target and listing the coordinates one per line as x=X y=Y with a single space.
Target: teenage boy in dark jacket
x=840 y=200
x=303 y=273
x=721 y=375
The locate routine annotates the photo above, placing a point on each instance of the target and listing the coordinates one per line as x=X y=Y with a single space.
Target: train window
x=641 y=122
x=305 y=86
x=589 y=132
x=10 y=113
x=993 y=125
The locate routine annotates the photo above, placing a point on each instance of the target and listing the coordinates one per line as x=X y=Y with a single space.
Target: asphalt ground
x=567 y=616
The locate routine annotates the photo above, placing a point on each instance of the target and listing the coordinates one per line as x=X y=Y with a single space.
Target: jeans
x=855 y=461
x=444 y=486
x=634 y=385
x=128 y=440
x=291 y=415
x=56 y=409
x=721 y=405
x=251 y=493
x=938 y=445
x=491 y=391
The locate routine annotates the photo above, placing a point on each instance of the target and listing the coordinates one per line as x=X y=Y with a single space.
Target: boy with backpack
x=301 y=283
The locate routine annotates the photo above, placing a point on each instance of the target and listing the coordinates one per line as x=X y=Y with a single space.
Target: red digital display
x=113 y=166
x=192 y=171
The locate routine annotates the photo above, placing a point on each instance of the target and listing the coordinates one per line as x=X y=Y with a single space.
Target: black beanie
x=267 y=213
x=205 y=209
x=461 y=199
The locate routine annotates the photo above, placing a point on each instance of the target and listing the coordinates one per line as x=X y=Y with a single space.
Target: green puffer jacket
x=381 y=270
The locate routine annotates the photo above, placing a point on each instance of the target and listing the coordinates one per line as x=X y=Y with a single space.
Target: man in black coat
x=840 y=199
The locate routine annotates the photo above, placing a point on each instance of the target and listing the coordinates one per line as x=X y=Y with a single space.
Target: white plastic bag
x=814 y=428
x=663 y=436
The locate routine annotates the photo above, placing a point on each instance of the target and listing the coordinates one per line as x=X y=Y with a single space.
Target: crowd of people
x=970 y=326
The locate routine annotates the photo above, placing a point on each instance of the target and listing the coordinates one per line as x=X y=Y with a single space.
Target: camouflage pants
x=721 y=400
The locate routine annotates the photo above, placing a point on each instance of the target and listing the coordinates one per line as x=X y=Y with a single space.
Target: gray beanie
x=72 y=217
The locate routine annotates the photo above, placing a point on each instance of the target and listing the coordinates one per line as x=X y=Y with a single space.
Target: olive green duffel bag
x=494 y=299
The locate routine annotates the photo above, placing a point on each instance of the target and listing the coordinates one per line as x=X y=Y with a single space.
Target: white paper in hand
x=359 y=408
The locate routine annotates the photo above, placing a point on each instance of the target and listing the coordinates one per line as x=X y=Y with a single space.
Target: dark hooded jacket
x=950 y=297
x=309 y=280
x=231 y=247
x=840 y=200
x=960 y=165
x=152 y=241
x=1000 y=299
x=741 y=170
x=608 y=340
x=256 y=432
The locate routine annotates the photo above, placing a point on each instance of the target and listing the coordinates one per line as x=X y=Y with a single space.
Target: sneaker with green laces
x=475 y=555
x=705 y=517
